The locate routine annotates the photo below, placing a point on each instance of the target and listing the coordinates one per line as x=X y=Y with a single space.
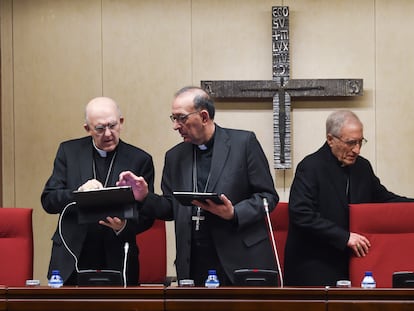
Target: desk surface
x=390 y=299
x=245 y=298
x=159 y=298
x=86 y=298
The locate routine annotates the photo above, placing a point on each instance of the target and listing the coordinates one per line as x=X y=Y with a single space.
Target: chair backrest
x=16 y=246
x=390 y=229
x=152 y=246
x=279 y=218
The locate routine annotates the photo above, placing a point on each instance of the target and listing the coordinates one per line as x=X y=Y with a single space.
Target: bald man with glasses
x=94 y=162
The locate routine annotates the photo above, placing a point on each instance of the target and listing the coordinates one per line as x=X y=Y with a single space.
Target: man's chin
x=347 y=162
x=109 y=148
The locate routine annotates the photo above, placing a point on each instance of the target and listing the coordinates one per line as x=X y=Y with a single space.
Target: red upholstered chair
x=390 y=229
x=153 y=254
x=279 y=218
x=16 y=246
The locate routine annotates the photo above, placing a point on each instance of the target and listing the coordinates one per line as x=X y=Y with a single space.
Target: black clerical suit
x=238 y=169
x=316 y=251
x=96 y=246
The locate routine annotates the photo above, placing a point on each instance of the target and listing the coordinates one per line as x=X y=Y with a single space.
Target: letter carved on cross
x=281 y=88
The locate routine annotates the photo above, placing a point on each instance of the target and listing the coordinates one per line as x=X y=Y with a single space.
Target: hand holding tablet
x=185 y=198
x=96 y=204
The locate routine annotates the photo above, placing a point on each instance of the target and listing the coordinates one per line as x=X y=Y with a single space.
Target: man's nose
x=357 y=148
x=107 y=131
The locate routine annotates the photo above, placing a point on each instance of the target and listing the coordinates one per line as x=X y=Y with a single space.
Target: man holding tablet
x=85 y=164
x=211 y=159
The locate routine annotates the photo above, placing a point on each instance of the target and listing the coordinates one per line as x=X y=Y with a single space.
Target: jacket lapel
x=220 y=155
x=86 y=160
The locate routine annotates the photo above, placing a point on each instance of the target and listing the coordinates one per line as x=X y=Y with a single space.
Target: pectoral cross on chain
x=197 y=219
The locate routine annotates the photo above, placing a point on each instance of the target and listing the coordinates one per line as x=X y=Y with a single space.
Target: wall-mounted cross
x=281 y=88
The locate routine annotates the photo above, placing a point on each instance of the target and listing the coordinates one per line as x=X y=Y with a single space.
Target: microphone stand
x=266 y=207
x=126 y=248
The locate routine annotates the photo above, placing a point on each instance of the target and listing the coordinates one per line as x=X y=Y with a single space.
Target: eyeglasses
x=352 y=143
x=181 y=118
x=100 y=129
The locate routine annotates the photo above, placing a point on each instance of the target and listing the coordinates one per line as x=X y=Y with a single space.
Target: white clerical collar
x=202 y=147
x=101 y=152
x=209 y=144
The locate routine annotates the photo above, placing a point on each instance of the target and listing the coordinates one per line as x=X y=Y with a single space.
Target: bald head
x=101 y=106
x=103 y=122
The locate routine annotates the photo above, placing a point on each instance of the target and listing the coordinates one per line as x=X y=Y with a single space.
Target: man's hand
x=138 y=184
x=115 y=223
x=91 y=184
x=225 y=210
x=359 y=244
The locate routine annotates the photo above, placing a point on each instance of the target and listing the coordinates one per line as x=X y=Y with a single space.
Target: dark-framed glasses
x=352 y=143
x=181 y=118
x=100 y=129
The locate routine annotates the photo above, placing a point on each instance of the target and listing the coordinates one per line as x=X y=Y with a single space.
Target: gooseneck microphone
x=62 y=237
x=93 y=277
x=126 y=248
x=266 y=207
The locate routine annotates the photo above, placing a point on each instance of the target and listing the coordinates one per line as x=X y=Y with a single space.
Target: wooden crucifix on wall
x=281 y=89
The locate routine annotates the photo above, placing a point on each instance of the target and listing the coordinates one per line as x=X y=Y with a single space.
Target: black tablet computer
x=97 y=204
x=185 y=198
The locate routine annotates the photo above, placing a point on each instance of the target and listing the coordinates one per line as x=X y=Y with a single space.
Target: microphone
x=90 y=277
x=266 y=207
x=63 y=238
x=260 y=277
x=126 y=248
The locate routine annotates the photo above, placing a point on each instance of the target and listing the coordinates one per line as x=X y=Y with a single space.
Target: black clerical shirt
x=92 y=254
x=203 y=251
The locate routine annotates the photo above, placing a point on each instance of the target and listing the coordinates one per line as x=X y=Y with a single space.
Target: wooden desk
x=384 y=299
x=159 y=298
x=245 y=299
x=85 y=298
x=3 y=306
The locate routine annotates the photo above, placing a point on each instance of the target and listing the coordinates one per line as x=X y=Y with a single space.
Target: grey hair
x=337 y=119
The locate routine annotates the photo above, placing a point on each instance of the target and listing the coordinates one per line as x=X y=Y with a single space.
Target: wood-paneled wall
x=56 y=55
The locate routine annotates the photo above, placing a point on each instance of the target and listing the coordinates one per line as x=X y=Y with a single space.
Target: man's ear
x=329 y=139
x=204 y=115
x=86 y=127
x=121 y=120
